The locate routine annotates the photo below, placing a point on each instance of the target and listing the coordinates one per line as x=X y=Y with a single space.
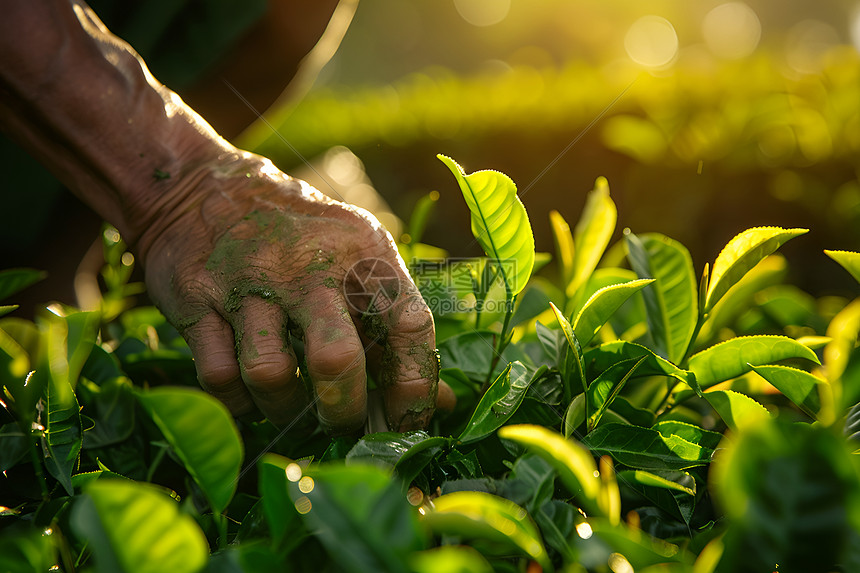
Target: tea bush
x=617 y=411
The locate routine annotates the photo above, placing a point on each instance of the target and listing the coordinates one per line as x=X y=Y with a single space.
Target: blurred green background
x=706 y=117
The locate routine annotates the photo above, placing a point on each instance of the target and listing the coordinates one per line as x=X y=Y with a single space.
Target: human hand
x=250 y=265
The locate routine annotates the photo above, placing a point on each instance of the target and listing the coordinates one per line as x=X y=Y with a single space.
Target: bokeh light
x=732 y=30
x=483 y=12
x=651 y=42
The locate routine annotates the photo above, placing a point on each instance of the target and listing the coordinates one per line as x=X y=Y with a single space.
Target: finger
x=212 y=345
x=336 y=365
x=267 y=363
x=446 y=400
x=407 y=362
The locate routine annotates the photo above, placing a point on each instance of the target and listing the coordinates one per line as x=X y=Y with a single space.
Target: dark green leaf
x=646 y=448
x=606 y=387
x=23 y=547
x=498 y=403
x=277 y=505
x=789 y=491
x=604 y=356
x=14 y=445
x=111 y=405
x=16 y=280
x=360 y=516
x=670 y=302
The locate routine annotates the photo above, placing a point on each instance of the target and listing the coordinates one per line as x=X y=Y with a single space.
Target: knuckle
x=268 y=372
x=335 y=359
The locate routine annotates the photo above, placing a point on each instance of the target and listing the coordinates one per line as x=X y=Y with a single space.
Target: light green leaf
x=689 y=432
x=475 y=514
x=737 y=410
x=606 y=387
x=564 y=248
x=498 y=403
x=681 y=481
x=741 y=254
x=499 y=222
x=733 y=357
x=670 y=302
x=204 y=436
x=7 y=308
x=646 y=448
x=850 y=260
x=574 y=355
x=592 y=234
x=602 y=305
x=449 y=559
x=798 y=386
x=135 y=528
x=574 y=463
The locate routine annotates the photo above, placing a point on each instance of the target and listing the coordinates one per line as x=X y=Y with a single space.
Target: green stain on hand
x=263 y=332
x=330 y=282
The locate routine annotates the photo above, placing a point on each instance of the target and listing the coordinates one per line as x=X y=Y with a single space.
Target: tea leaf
x=646 y=448
x=277 y=506
x=798 y=386
x=606 y=387
x=733 y=357
x=670 y=302
x=575 y=465
x=204 y=436
x=498 y=403
x=609 y=353
x=741 y=254
x=850 y=260
x=689 y=432
x=449 y=558
x=135 y=528
x=564 y=247
x=592 y=234
x=789 y=491
x=16 y=280
x=601 y=306
x=737 y=410
x=360 y=516
x=477 y=515
x=672 y=480
x=574 y=358
x=499 y=222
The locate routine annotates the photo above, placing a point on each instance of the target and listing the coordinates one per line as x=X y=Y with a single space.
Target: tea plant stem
x=155 y=463
x=504 y=340
x=221 y=522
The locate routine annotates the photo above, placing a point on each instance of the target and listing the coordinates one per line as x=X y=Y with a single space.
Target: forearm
x=84 y=104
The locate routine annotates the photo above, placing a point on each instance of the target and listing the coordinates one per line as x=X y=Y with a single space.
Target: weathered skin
x=240 y=257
